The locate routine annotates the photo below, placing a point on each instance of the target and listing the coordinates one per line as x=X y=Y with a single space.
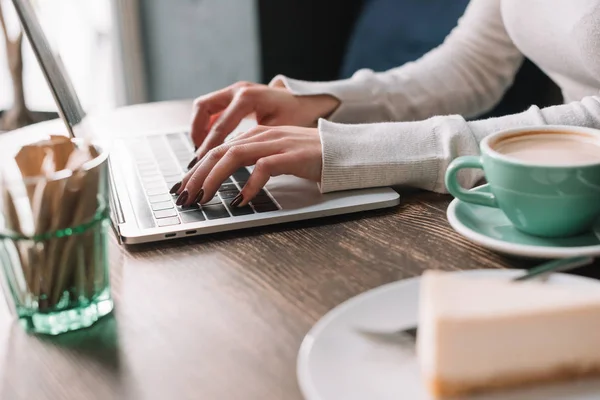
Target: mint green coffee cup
x=545 y=179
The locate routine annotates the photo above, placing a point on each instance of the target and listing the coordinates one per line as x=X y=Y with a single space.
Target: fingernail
x=175 y=188
x=196 y=148
x=182 y=198
x=199 y=196
x=237 y=200
x=192 y=163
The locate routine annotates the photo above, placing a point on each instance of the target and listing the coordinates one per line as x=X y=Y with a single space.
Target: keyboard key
x=171 y=173
x=151 y=179
x=228 y=180
x=145 y=162
x=165 y=159
x=145 y=165
x=192 y=216
x=154 y=185
x=230 y=194
x=215 y=212
x=174 y=137
x=173 y=177
x=241 y=175
x=237 y=211
x=165 y=165
x=165 y=205
x=155 y=192
x=183 y=154
x=261 y=208
x=159 y=198
x=149 y=173
x=227 y=186
x=261 y=199
x=193 y=206
x=168 y=221
x=165 y=213
x=213 y=201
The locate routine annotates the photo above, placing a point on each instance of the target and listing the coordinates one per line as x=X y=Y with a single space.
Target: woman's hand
x=217 y=114
x=273 y=150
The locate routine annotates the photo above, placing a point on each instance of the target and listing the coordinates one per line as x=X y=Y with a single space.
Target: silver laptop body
x=145 y=163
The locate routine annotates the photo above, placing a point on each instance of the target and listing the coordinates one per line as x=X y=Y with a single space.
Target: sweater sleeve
x=417 y=154
x=466 y=75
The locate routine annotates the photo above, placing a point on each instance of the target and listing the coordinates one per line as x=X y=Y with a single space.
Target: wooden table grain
x=223 y=316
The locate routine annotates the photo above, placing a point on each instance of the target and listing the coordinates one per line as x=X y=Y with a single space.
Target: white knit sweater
x=405 y=125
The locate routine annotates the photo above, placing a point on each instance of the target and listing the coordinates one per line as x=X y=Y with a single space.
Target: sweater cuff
x=412 y=154
x=351 y=93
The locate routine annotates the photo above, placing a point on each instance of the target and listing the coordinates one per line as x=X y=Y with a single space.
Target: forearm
x=417 y=154
x=466 y=75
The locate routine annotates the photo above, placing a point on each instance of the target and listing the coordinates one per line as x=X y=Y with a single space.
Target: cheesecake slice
x=478 y=334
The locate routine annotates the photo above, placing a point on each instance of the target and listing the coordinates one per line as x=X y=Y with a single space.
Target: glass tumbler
x=54 y=247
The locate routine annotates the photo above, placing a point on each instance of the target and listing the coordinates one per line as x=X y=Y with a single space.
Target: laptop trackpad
x=295 y=193
x=292 y=192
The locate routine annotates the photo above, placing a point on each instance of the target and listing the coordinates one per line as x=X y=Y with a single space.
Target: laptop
x=150 y=162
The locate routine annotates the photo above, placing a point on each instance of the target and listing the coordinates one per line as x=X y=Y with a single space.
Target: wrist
x=321 y=105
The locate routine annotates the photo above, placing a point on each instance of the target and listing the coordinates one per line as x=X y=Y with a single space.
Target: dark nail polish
x=182 y=198
x=199 y=196
x=192 y=163
x=175 y=188
x=196 y=148
x=237 y=200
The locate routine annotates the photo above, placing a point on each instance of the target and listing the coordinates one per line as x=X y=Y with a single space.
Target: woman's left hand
x=283 y=150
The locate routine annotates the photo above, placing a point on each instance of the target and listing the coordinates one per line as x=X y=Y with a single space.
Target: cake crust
x=446 y=388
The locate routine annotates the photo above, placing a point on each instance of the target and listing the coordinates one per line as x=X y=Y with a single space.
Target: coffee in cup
x=545 y=179
x=560 y=149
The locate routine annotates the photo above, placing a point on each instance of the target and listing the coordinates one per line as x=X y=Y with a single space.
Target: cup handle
x=483 y=199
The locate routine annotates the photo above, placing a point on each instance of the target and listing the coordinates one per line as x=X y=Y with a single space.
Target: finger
x=205 y=108
x=264 y=169
x=234 y=159
x=259 y=130
x=243 y=104
x=180 y=186
x=220 y=164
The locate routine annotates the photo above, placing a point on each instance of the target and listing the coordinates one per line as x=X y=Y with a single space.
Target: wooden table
x=222 y=317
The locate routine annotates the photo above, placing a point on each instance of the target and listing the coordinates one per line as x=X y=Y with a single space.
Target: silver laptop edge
x=296 y=199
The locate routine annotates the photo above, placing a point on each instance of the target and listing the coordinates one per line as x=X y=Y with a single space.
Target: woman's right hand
x=217 y=114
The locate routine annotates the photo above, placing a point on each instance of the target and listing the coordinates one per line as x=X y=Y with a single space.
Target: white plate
x=337 y=362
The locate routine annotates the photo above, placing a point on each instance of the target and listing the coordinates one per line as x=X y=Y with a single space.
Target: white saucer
x=338 y=362
x=489 y=227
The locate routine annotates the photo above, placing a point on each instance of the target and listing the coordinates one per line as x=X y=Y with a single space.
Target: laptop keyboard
x=161 y=162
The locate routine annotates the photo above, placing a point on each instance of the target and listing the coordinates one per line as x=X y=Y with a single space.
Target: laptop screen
x=60 y=84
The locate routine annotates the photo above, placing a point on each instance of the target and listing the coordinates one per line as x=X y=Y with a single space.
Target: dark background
x=329 y=39
x=305 y=39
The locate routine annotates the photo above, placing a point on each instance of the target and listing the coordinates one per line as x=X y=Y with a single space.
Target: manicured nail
x=182 y=198
x=237 y=200
x=175 y=188
x=199 y=196
x=196 y=148
x=192 y=163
